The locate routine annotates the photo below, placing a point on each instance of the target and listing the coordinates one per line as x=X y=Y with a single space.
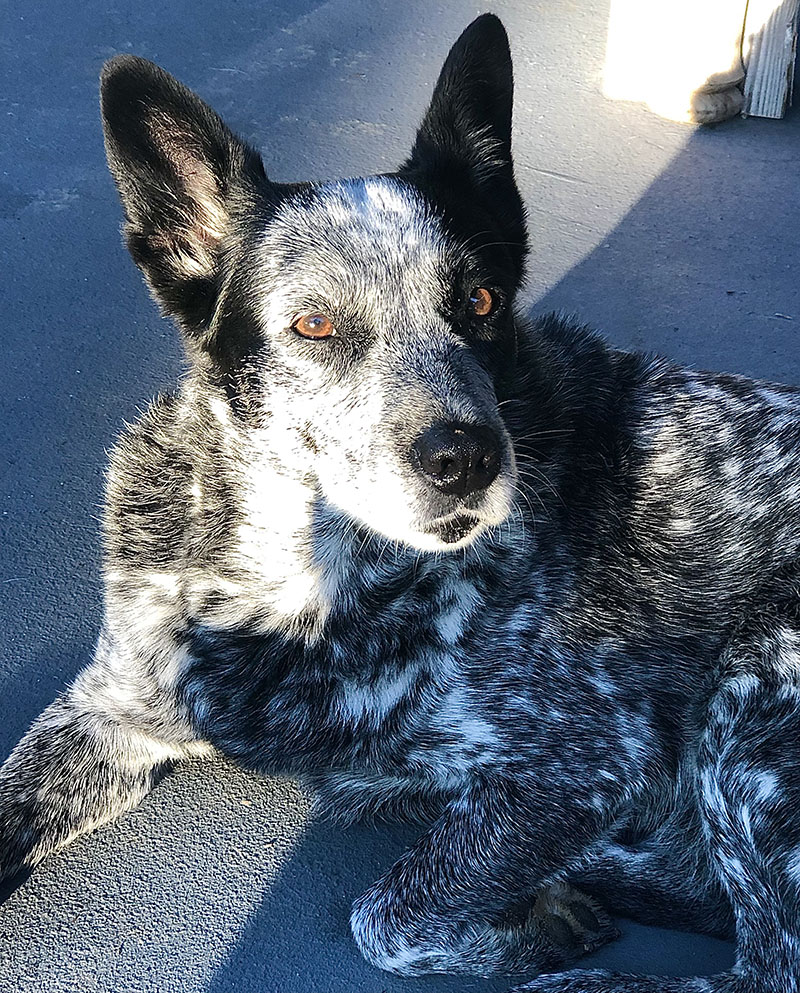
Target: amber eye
x=313 y=326
x=482 y=301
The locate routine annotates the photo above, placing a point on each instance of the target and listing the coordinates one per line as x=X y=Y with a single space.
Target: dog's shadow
x=700 y=268
x=13 y=883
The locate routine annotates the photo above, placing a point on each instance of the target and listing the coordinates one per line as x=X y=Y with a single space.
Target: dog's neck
x=292 y=559
x=313 y=560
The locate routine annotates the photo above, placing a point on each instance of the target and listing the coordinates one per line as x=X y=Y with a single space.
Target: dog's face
x=361 y=330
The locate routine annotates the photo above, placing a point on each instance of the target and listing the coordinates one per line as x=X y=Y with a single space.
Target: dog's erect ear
x=181 y=173
x=466 y=133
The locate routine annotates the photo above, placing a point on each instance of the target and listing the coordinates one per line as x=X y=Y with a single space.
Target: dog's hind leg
x=750 y=796
x=749 y=801
x=92 y=754
x=666 y=879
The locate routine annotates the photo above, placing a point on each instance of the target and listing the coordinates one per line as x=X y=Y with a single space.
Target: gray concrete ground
x=666 y=237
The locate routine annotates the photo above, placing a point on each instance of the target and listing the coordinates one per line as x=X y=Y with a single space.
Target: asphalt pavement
x=667 y=237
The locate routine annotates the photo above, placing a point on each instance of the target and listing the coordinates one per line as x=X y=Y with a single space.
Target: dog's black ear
x=465 y=136
x=181 y=175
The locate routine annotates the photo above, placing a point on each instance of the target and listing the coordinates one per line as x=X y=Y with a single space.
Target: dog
x=439 y=562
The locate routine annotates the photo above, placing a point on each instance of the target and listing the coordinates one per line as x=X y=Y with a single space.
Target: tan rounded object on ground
x=682 y=59
x=716 y=106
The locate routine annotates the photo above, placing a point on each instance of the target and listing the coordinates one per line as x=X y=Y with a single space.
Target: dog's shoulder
x=146 y=485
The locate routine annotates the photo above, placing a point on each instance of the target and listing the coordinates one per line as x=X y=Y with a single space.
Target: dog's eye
x=313 y=326
x=482 y=301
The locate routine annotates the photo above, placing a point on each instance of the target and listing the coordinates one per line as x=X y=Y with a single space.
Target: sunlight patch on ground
x=663 y=54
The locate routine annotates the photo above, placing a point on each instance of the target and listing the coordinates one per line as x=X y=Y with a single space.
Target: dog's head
x=361 y=329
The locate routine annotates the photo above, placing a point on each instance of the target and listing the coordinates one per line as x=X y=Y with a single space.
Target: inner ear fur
x=181 y=174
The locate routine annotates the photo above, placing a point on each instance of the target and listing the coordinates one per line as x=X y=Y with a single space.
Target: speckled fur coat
x=440 y=562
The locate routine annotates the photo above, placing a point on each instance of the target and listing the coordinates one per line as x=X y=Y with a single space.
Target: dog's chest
x=362 y=690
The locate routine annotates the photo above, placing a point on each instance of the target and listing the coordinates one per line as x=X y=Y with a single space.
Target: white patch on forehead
x=387 y=196
x=391 y=229
x=378 y=206
x=360 y=242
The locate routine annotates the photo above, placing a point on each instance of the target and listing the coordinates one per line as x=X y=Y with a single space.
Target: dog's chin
x=425 y=528
x=448 y=534
x=456 y=530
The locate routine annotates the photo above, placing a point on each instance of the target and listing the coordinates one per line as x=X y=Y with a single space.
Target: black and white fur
x=583 y=669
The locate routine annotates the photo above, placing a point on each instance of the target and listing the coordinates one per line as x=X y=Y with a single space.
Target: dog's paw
x=559 y=926
x=572 y=923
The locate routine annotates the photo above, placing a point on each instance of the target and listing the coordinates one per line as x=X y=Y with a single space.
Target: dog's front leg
x=92 y=754
x=453 y=903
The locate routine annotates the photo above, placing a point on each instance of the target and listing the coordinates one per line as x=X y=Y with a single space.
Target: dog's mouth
x=453 y=529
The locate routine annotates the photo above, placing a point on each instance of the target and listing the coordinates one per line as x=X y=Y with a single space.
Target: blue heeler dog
x=439 y=562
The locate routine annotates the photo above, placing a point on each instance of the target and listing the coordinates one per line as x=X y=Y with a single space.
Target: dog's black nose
x=457 y=458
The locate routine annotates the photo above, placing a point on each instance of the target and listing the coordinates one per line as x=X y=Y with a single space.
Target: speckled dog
x=390 y=538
